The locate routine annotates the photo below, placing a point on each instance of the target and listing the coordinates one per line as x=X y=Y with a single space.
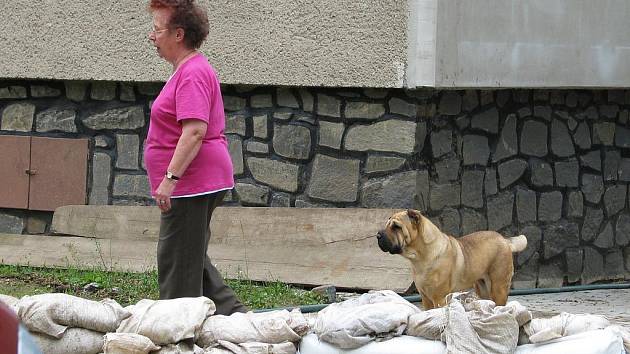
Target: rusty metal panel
x=14 y=162
x=58 y=172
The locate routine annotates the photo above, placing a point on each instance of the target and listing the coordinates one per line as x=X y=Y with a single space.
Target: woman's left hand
x=163 y=194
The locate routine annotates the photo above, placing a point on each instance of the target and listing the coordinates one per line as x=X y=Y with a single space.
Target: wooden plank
x=345 y=264
x=229 y=224
x=295 y=245
x=110 y=222
x=77 y=252
x=298 y=226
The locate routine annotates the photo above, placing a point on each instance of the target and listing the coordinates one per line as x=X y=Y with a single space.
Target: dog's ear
x=414 y=215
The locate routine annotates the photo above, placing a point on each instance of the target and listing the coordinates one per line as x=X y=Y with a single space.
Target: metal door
x=58 y=172
x=14 y=167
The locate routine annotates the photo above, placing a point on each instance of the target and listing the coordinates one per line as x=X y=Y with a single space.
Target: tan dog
x=442 y=264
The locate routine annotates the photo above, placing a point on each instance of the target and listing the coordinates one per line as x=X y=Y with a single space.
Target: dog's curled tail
x=518 y=243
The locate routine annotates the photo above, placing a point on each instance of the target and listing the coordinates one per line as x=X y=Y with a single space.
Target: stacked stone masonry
x=551 y=164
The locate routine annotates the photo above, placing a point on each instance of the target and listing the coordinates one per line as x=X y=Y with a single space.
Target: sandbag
x=310 y=344
x=267 y=327
x=167 y=321
x=428 y=324
x=565 y=324
x=74 y=340
x=224 y=347
x=9 y=301
x=180 y=348
x=471 y=324
x=521 y=314
x=606 y=341
x=356 y=322
x=624 y=332
x=127 y=343
x=478 y=326
x=52 y=314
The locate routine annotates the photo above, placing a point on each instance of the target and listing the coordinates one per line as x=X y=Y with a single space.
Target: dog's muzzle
x=385 y=245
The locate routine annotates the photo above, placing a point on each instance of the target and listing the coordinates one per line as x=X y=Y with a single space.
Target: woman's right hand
x=163 y=194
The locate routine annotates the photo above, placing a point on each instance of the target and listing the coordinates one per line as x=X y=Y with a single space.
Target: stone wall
x=551 y=164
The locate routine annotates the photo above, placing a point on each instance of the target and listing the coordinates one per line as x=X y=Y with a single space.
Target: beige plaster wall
x=336 y=43
x=281 y=42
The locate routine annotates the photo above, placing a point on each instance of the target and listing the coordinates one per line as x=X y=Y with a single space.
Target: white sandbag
x=606 y=341
x=74 y=340
x=624 y=332
x=310 y=344
x=266 y=327
x=470 y=324
x=428 y=324
x=52 y=314
x=224 y=347
x=167 y=321
x=521 y=313
x=127 y=343
x=356 y=322
x=478 y=326
x=9 y=301
x=180 y=348
x=471 y=302
x=565 y=324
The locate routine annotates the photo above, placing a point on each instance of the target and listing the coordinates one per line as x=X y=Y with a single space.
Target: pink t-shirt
x=193 y=92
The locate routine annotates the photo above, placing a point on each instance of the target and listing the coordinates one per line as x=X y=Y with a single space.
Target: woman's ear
x=179 y=34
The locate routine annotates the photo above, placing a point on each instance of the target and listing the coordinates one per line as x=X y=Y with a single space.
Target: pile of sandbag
x=466 y=325
x=62 y=323
x=376 y=322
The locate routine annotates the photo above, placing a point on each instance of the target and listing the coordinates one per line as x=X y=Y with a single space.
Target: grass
x=129 y=288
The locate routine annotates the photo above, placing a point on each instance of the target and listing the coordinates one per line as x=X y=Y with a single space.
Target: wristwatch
x=171 y=176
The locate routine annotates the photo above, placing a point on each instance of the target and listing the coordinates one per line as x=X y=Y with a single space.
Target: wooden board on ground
x=105 y=221
x=294 y=245
x=77 y=252
x=257 y=225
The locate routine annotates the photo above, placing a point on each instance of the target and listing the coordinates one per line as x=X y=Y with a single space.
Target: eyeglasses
x=156 y=31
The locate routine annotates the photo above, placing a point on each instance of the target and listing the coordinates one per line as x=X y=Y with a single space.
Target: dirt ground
x=614 y=304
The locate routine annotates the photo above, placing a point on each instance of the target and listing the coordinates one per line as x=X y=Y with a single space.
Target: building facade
x=512 y=116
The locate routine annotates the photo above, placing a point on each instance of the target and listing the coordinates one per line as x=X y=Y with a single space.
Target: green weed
x=129 y=288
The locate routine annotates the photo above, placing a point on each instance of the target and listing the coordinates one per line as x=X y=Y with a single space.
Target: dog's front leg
x=437 y=298
x=427 y=303
x=440 y=301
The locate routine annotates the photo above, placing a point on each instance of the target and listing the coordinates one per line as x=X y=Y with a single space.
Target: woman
x=186 y=156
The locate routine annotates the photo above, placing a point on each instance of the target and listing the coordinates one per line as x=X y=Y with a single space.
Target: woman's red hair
x=189 y=16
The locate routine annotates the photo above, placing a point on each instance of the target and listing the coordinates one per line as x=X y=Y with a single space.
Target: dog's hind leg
x=500 y=281
x=500 y=294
